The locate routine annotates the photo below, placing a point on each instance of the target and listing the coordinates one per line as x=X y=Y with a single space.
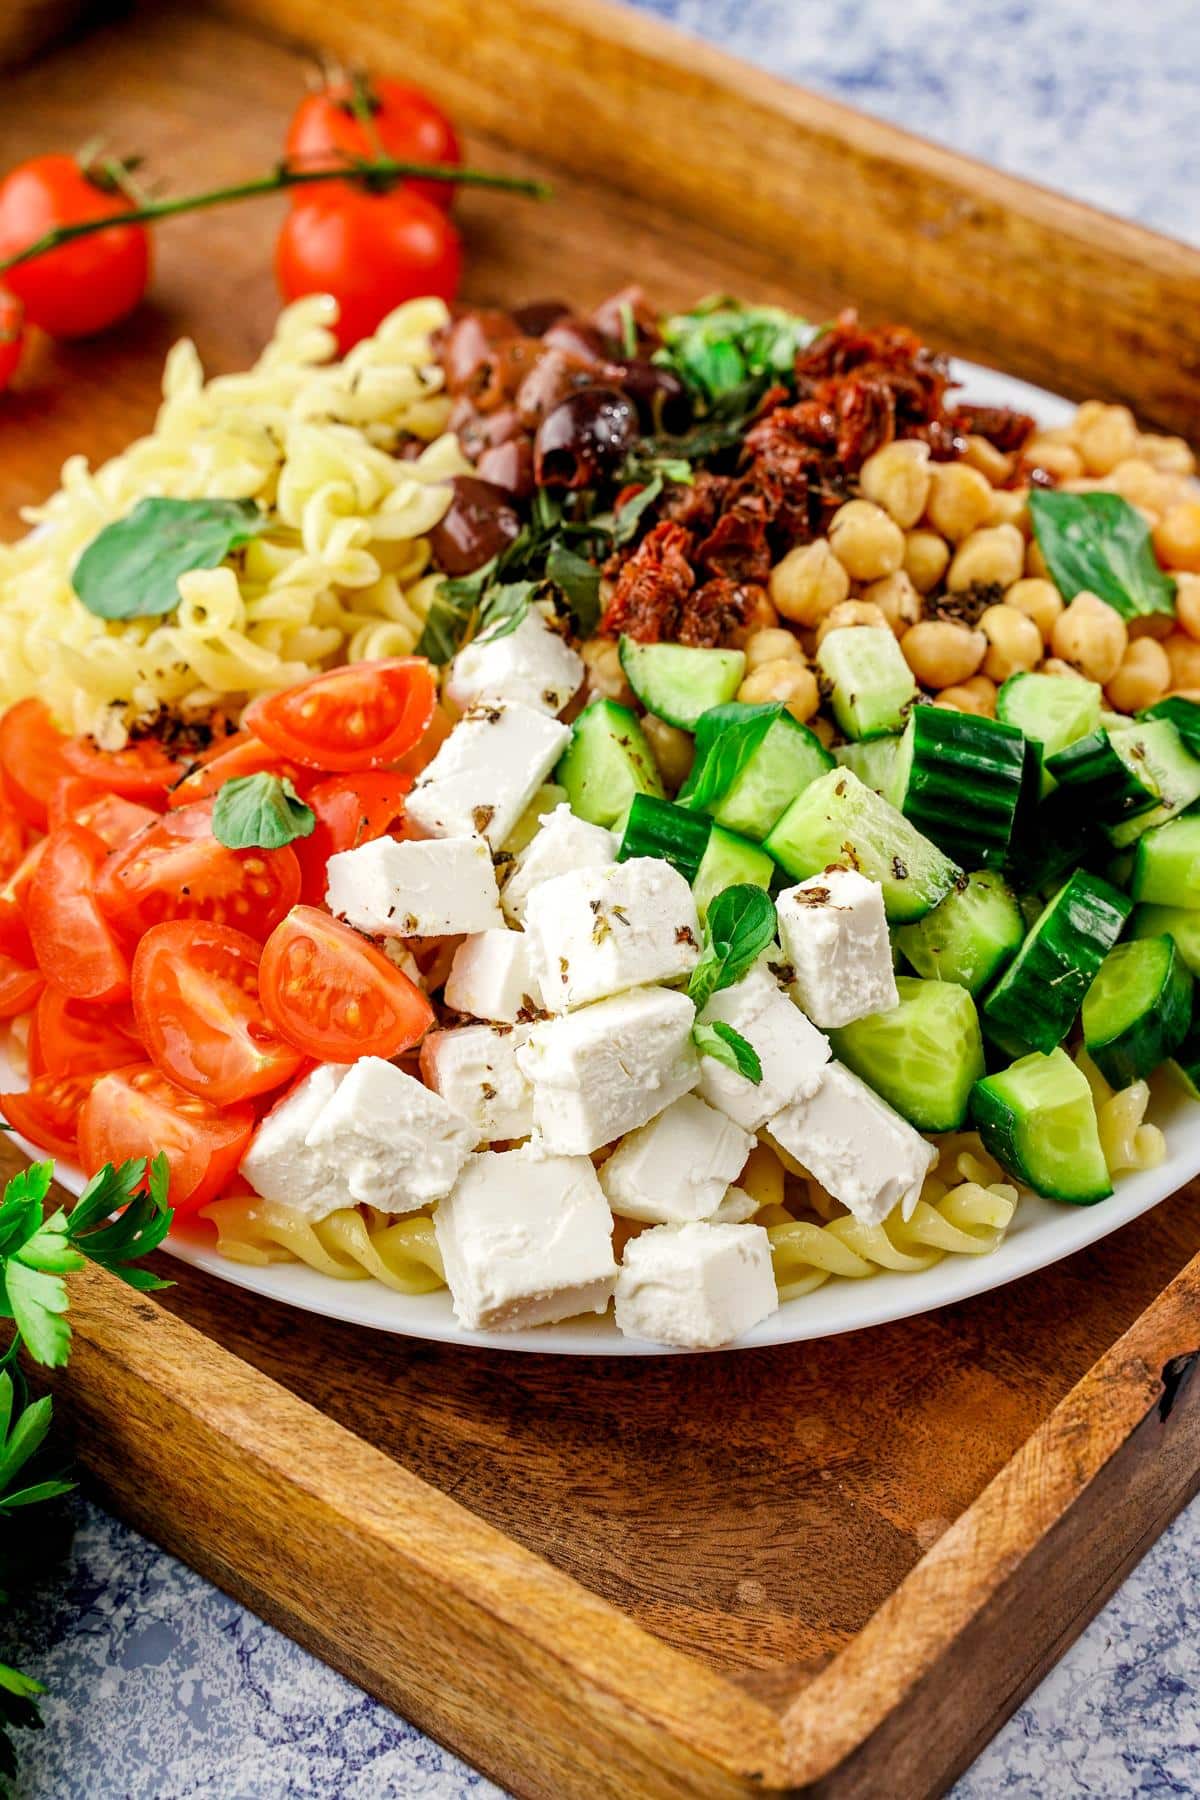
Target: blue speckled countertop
x=163 y=1689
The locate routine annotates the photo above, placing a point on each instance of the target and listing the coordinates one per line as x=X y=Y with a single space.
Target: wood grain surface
x=827 y=1569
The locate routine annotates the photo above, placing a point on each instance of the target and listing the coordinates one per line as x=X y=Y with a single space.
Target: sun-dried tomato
x=1002 y=426
x=652 y=584
x=737 y=546
x=711 y=612
x=696 y=504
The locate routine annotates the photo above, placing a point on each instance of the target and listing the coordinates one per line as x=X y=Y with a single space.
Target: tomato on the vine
x=136 y=1111
x=372 y=252
x=365 y=716
x=12 y=336
x=176 y=869
x=334 y=995
x=400 y=121
x=84 y=286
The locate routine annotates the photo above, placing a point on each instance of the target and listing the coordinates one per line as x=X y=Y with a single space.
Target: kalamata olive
x=555 y=375
x=509 y=465
x=468 y=343
x=481 y=520
x=612 y=315
x=536 y=316
x=662 y=400
x=578 y=338
x=584 y=438
x=478 y=432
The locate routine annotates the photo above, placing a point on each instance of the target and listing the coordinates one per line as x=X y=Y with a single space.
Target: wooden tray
x=826 y=1570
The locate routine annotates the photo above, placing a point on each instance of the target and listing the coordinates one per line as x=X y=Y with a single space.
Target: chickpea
x=1035 y=562
x=760 y=615
x=1104 y=436
x=865 y=540
x=941 y=653
x=984 y=690
x=1015 y=642
x=671 y=749
x=1090 y=635
x=1142 y=484
x=1177 y=536
x=1183 y=654
x=897 y=478
x=773 y=645
x=787 y=680
x=964 y=697
x=926 y=556
x=1010 y=506
x=991 y=463
x=993 y=554
x=1142 y=678
x=1187 y=603
x=1039 y=600
x=896 y=598
x=1054 y=665
x=1172 y=454
x=851 y=612
x=1154 y=625
x=1062 y=461
x=821 y=728
x=605 y=676
x=960 y=500
x=807 y=582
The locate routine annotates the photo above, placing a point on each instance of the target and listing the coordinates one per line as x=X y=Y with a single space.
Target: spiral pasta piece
x=1127 y=1141
x=350 y=1244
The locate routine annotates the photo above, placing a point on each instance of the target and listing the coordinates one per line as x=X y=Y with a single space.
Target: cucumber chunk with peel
x=970 y=937
x=923 y=1056
x=678 y=682
x=606 y=763
x=1038 y=996
x=1137 y=1011
x=1038 y=1119
x=872 y=685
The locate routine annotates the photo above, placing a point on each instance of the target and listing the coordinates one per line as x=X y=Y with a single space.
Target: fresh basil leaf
x=740 y=925
x=725 y=1045
x=579 y=580
x=452 y=613
x=131 y=569
x=260 y=811
x=726 y=737
x=506 y=605
x=1101 y=544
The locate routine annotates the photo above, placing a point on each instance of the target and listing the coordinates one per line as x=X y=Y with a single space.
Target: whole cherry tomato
x=81 y=287
x=372 y=252
x=402 y=122
x=12 y=336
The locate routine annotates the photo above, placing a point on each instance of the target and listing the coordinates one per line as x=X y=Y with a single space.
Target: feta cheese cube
x=736 y=1208
x=696 y=1286
x=486 y=772
x=606 y=1069
x=677 y=1167
x=279 y=1164
x=597 y=932
x=490 y=977
x=834 y=934
x=859 y=1149
x=564 y=843
x=474 y=1068
x=395 y=1143
x=432 y=887
x=532 y=665
x=526 y=1240
x=791 y=1051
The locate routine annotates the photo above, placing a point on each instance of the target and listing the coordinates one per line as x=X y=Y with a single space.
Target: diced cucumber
x=1041 y=991
x=959 y=779
x=1108 y=775
x=606 y=763
x=547 y=797
x=872 y=760
x=838 y=821
x=750 y=763
x=1166 y=864
x=1182 y=922
x=970 y=937
x=729 y=861
x=656 y=828
x=1055 y=710
x=1185 y=1064
x=873 y=686
x=1174 y=768
x=1038 y=1119
x=923 y=1056
x=1137 y=1011
x=678 y=682
x=1051 y=839
x=1183 y=714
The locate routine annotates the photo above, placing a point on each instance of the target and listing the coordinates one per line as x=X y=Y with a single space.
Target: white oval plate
x=1042 y=1232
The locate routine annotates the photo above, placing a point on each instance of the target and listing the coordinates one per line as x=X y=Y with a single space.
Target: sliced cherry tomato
x=362 y=717
x=238 y=756
x=177 y=870
x=73 y=1037
x=47 y=1112
x=31 y=757
x=195 y=995
x=78 y=801
x=401 y=121
x=136 y=1111
x=12 y=843
x=333 y=995
x=12 y=336
x=21 y=981
x=83 y=286
x=351 y=810
x=437 y=731
x=74 y=943
x=16 y=888
x=141 y=771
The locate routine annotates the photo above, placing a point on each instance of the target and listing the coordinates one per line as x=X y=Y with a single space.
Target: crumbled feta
x=564 y=843
x=696 y=1286
x=860 y=1150
x=531 y=665
x=486 y=772
x=432 y=887
x=490 y=977
x=597 y=932
x=677 y=1167
x=279 y=1164
x=607 y=1068
x=736 y=1208
x=395 y=1143
x=835 y=936
x=526 y=1240
x=791 y=1051
x=474 y=1068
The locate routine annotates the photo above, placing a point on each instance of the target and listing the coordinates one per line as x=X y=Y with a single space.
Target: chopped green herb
x=725 y=1045
x=262 y=811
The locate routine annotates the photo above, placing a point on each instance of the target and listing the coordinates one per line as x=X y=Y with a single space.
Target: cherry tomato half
x=195 y=995
x=372 y=252
x=362 y=717
x=16 y=888
x=333 y=995
x=351 y=810
x=12 y=336
x=81 y=287
x=237 y=756
x=74 y=943
x=31 y=758
x=78 y=801
x=73 y=1037
x=404 y=123
x=141 y=771
x=136 y=1111
x=21 y=981
x=177 y=870
x=47 y=1112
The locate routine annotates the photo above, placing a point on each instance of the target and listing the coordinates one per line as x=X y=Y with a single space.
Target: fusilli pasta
x=352 y=1244
x=1127 y=1142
